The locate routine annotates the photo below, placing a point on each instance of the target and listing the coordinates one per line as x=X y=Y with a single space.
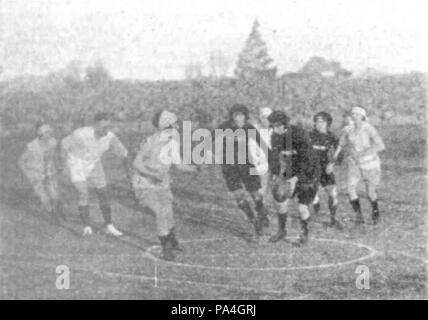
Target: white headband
x=166 y=119
x=265 y=112
x=359 y=110
x=44 y=129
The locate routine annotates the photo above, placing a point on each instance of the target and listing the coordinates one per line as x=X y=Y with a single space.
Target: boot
x=167 y=253
x=357 y=209
x=245 y=206
x=333 y=222
x=304 y=234
x=375 y=212
x=175 y=244
x=282 y=220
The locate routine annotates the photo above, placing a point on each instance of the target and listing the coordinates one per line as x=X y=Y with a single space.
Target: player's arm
x=342 y=142
x=377 y=144
x=177 y=160
x=120 y=150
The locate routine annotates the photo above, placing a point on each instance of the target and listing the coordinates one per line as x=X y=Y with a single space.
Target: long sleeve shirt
x=365 y=142
x=156 y=155
x=293 y=149
x=248 y=140
x=83 y=145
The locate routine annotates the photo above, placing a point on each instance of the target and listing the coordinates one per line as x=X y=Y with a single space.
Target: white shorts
x=83 y=171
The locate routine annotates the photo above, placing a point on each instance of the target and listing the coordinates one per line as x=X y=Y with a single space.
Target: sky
x=156 y=39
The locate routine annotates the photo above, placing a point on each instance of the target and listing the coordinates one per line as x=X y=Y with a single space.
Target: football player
x=39 y=166
x=362 y=144
x=324 y=145
x=295 y=173
x=237 y=175
x=82 y=151
x=151 y=181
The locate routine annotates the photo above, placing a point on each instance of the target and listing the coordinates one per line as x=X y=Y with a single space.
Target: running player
x=238 y=175
x=294 y=169
x=324 y=144
x=151 y=181
x=82 y=151
x=362 y=144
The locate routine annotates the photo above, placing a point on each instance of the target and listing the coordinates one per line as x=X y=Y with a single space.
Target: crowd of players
x=294 y=165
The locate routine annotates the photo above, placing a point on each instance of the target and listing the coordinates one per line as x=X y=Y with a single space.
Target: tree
x=97 y=75
x=254 y=62
x=321 y=66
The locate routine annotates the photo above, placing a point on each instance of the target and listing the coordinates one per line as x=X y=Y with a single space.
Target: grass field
x=221 y=259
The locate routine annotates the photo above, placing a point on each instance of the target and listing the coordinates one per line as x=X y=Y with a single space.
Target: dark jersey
x=322 y=143
x=243 y=140
x=301 y=162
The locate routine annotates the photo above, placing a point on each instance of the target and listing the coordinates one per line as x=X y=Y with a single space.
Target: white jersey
x=258 y=155
x=84 y=150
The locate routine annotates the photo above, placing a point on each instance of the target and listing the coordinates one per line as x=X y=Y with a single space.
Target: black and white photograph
x=213 y=150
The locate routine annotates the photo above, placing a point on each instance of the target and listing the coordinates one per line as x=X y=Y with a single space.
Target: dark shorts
x=237 y=176
x=305 y=191
x=327 y=179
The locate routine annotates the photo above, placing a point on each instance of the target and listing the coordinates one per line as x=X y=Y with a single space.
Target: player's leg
x=282 y=209
x=39 y=188
x=160 y=202
x=234 y=185
x=52 y=186
x=317 y=202
x=97 y=180
x=305 y=192
x=332 y=204
x=323 y=181
x=252 y=184
x=372 y=180
x=169 y=214
x=353 y=178
x=83 y=205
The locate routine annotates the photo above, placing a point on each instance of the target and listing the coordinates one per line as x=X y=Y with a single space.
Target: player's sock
x=175 y=244
x=261 y=213
x=375 y=211
x=106 y=212
x=357 y=209
x=167 y=253
x=84 y=215
x=282 y=232
x=333 y=209
x=304 y=233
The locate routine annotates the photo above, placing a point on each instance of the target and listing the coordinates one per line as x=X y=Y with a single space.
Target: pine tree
x=254 y=62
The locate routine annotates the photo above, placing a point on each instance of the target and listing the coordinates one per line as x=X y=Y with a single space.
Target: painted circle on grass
x=232 y=254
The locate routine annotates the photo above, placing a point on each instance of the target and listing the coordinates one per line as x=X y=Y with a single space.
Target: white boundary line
x=155 y=280
x=372 y=253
